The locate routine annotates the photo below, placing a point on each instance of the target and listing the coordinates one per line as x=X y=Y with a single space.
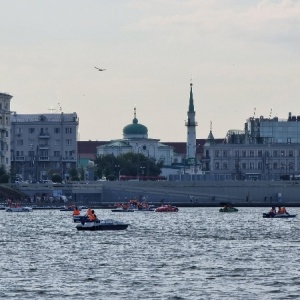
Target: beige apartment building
x=43 y=145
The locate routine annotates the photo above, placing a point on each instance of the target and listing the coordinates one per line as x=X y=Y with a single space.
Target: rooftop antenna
x=270 y=114
x=254 y=112
x=59 y=107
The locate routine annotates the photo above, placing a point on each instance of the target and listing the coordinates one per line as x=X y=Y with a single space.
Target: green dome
x=135 y=128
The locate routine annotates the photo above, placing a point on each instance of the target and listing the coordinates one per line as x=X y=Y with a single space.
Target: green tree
x=56 y=178
x=130 y=164
x=74 y=174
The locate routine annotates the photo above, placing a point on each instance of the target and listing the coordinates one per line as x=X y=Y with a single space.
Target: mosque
x=135 y=139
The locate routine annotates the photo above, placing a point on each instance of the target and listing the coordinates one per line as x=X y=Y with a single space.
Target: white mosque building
x=135 y=139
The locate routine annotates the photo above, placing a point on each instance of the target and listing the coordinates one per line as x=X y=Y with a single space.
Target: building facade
x=5 y=130
x=266 y=149
x=43 y=145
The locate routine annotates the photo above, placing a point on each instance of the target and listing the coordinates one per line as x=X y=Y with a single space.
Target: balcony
x=68 y=158
x=44 y=135
x=44 y=158
x=43 y=146
x=18 y=158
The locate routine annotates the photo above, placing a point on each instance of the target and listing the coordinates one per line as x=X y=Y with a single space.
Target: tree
x=130 y=164
x=74 y=174
x=56 y=178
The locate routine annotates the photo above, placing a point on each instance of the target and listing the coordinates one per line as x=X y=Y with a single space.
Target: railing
x=19 y=158
x=68 y=158
x=44 y=135
x=44 y=158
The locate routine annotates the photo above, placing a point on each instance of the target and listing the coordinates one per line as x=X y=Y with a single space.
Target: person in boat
x=272 y=211
x=89 y=212
x=93 y=216
x=76 y=211
x=282 y=210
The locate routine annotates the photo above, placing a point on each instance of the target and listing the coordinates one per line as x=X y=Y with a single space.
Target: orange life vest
x=76 y=212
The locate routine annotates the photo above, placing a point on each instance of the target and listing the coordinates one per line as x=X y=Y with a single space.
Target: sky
x=241 y=56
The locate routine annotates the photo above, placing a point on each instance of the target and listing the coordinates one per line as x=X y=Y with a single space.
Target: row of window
x=56 y=130
x=68 y=142
x=257 y=165
x=46 y=153
x=257 y=153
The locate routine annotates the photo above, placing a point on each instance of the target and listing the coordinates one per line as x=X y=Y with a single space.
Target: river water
x=197 y=253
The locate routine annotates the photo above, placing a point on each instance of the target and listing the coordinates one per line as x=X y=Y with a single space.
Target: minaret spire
x=191 y=128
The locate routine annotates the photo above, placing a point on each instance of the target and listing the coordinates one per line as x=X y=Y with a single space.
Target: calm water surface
x=197 y=253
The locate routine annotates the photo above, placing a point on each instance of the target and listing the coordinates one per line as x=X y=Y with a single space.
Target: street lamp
x=120 y=173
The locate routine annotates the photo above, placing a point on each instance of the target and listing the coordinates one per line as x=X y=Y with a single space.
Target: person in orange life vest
x=281 y=210
x=76 y=211
x=93 y=216
x=89 y=212
x=272 y=211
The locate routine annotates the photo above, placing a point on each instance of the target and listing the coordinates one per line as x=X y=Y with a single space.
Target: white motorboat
x=18 y=209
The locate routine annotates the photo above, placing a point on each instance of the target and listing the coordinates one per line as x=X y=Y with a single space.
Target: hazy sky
x=241 y=55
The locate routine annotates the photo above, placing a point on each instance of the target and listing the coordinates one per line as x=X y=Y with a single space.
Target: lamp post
x=120 y=173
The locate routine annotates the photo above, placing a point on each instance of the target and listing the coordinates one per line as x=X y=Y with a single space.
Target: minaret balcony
x=191 y=123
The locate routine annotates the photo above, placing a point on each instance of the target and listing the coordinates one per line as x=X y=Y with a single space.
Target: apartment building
x=5 y=130
x=43 y=145
x=265 y=149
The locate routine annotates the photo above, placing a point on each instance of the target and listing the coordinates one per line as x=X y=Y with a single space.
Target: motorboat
x=278 y=216
x=122 y=210
x=69 y=208
x=166 y=208
x=18 y=209
x=227 y=207
x=80 y=218
x=101 y=225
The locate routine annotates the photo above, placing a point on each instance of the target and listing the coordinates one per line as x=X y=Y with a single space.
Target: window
x=251 y=166
x=251 y=153
x=217 y=165
x=275 y=153
x=244 y=166
x=56 y=142
x=217 y=153
x=68 y=130
x=282 y=153
x=69 y=142
x=57 y=130
x=31 y=130
x=275 y=165
x=259 y=165
x=19 y=131
x=225 y=165
x=224 y=153
x=291 y=153
x=259 y=153
x=244 y=153
x=56 y=153
x=236 y=153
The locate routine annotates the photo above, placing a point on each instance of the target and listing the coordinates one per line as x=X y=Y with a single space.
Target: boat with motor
x=166 y=208
x=132 y=206
x=278 y=216
x=227 y=207
x=18 y=209
x=101 y=225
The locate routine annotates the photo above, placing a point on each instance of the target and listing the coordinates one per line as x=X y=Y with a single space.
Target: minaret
x=191 y=129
